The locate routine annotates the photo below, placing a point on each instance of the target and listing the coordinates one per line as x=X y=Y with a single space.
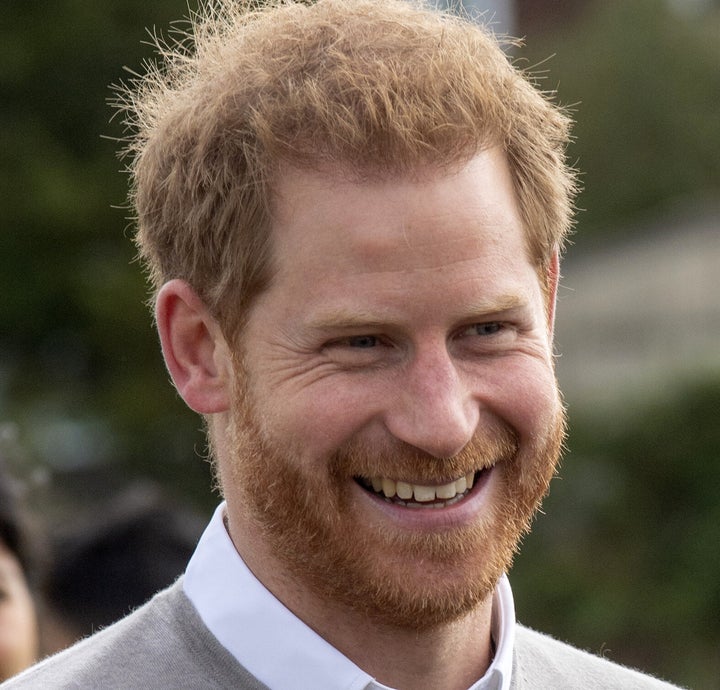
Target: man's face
x=396 y=419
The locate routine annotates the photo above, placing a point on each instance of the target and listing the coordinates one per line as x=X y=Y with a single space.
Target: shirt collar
x=275 y=646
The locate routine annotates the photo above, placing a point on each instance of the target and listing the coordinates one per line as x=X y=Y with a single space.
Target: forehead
x=440 y=241
x=436 y=215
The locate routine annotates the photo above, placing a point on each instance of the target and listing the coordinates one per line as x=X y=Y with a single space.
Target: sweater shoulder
x=163 y=644
x=544 y=662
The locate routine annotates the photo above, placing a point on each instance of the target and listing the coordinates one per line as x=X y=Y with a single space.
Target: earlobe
x=194 y=348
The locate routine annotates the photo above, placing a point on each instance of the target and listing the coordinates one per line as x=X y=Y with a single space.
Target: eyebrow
x=498 y=305
x=345 y=319
x=342 y=318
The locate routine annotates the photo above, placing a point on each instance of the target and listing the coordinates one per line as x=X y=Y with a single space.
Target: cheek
x=526 y=396
x=325 y=417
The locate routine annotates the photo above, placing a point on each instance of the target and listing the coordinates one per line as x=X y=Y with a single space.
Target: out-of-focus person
x=19 y=637
x=102 y=570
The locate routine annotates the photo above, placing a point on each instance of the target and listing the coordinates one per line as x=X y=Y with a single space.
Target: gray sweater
x=165 y=644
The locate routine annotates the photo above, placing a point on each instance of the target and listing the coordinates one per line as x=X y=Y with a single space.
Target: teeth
x=388 y=487
x=420 y=493
x=423 y=494
x=404 y=490
x=446 y=491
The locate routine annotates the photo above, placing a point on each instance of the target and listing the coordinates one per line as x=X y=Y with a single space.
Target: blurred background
x=626 y=560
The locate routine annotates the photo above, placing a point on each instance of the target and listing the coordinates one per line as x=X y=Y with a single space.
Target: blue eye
x=487 y=328
x=363 y=341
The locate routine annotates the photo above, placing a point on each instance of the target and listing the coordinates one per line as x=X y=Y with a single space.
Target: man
x=352 y=213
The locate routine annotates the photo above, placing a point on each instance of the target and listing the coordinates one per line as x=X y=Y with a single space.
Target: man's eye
x=363 y=341
x=490 y=328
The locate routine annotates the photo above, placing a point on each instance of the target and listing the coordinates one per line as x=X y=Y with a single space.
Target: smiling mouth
x=420 y=495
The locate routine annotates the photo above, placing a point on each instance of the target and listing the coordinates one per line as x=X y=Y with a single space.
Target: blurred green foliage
x=628 y=556
x=81 y=370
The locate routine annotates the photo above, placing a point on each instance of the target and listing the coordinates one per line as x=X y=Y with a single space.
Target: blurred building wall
x=638 y=316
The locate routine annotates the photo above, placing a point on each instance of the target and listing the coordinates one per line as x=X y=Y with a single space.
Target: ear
x=553 y=280
x=194 y=348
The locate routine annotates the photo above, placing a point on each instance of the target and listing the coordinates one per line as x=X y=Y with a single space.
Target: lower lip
x=452 y=516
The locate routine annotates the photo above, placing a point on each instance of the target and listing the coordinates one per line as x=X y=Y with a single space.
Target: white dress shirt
x=276 y=646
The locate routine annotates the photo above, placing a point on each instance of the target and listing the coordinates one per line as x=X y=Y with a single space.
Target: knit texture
x=165 y=644
x=543 y=663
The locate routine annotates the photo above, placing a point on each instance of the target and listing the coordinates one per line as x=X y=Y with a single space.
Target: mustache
x=401 y=461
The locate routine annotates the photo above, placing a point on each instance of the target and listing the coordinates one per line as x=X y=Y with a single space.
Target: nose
x=433 y=407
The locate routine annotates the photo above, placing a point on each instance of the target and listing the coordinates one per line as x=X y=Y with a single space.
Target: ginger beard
x=307 y=515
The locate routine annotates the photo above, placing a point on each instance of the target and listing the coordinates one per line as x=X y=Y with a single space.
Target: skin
x=405 y=334
x=18 y=622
